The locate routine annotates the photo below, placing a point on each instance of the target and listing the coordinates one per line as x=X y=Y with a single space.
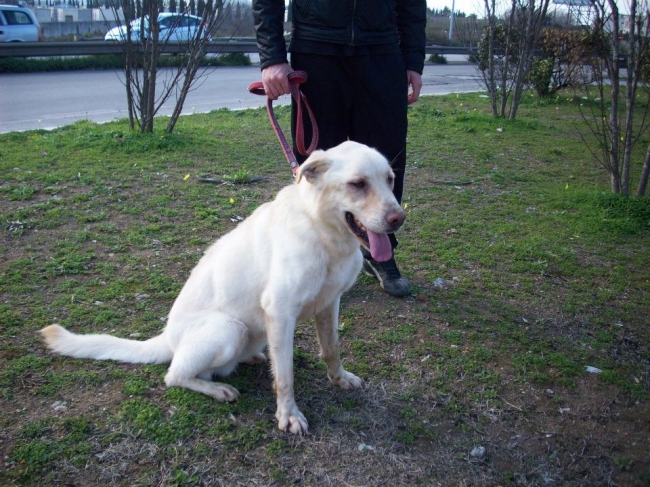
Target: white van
x=18 y=24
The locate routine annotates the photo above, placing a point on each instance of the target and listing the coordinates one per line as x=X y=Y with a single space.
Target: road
x=48 y=100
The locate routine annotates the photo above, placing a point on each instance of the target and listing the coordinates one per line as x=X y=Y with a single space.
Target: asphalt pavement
x=49 y=100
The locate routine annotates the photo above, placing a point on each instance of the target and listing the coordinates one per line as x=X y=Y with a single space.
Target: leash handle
x=295 y=78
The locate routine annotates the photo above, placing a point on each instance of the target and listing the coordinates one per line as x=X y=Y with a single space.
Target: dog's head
x=354 y=186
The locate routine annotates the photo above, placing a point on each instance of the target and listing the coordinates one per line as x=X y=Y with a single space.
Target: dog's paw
x=293 y=421
x=347 y=381
x=224 y=392
x=258 y=358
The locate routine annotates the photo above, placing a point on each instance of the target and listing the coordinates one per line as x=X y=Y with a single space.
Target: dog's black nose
x=395 y=218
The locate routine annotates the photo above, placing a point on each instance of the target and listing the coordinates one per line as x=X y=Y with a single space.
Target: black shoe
x=389 y=276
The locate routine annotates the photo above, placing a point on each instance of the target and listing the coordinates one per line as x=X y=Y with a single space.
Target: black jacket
x=343 y=22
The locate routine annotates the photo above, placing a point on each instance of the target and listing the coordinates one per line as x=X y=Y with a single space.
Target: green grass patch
x=526 y=271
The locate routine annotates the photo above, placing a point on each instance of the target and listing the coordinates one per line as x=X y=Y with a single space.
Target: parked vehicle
x=174 y=28
x=18 y=24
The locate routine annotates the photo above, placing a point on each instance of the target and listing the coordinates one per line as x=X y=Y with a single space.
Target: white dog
x=290 y=260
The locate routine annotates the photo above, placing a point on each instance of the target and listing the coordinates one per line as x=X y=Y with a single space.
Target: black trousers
x=359 y=98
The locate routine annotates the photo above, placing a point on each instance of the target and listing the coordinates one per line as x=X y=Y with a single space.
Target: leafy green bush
x=502 y=39
x=540 y=76
x=234 y=59
x=437 y=59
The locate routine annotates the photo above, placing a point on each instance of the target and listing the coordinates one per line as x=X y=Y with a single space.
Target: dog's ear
x=313 y=167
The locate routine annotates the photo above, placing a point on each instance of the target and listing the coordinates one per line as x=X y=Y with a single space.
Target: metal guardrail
x=466 y=51
x=86 y=48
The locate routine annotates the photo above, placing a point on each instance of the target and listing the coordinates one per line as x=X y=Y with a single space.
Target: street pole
x=451 y=21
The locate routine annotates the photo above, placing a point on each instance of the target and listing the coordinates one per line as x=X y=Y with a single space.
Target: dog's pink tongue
x=380 y=247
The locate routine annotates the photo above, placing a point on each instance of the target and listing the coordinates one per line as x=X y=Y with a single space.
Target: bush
x=502 y=39
x=107 y=61
x=540 y=76
x=437 y=59
x=234 y=59
x=28 y=65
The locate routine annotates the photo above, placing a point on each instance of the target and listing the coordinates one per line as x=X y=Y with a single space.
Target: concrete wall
x=61 y=29
x=60 y=22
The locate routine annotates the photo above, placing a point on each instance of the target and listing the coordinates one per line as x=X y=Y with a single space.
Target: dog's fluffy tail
x=107 y=347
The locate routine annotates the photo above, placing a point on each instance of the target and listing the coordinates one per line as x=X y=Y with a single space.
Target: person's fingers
x=415 y=82
x=275 y=79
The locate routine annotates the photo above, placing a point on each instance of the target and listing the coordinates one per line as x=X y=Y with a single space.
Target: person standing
x=361 y=57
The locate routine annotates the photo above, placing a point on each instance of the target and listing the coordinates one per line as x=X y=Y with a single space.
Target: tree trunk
x=530 y=37
x=128 y=79
x=643 y=182
x=615 y=182
x=505 y=88
x=634 y=66
x=190 y=75
x=491 y=82
x=525 y=28
x=129 y=62
x=614 y=120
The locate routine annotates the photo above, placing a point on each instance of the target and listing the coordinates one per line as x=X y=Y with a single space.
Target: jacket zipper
x=354 y=10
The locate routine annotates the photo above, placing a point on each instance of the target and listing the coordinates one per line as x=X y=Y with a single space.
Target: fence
x=85 y=48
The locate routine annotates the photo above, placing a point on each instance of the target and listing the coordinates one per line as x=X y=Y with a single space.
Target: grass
x=525 y=269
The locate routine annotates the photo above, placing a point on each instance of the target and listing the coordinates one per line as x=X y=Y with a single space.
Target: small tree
x=506 y=52
x=146 y=91
x=614 y=98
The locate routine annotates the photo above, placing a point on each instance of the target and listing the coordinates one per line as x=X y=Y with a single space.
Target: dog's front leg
x=327 y=322
x=280 y=338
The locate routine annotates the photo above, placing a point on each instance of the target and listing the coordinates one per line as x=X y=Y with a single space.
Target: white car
x=18 y=24
x=174 y=28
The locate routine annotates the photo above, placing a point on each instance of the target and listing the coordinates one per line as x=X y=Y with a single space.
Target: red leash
x=296 y=78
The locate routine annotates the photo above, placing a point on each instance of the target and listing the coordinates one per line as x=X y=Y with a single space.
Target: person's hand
x=415 y=82
x=275 y=79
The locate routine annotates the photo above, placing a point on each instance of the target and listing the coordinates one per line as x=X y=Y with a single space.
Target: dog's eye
x=390 y=180
x=358 y=184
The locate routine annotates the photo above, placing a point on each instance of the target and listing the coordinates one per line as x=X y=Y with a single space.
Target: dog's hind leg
x=327 y=327
x=215 y=344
